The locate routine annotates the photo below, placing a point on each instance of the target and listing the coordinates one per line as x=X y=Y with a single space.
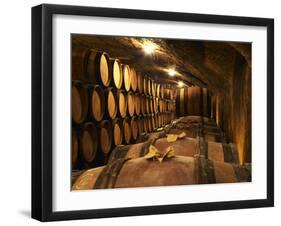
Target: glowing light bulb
x=148 y=47
x=180 y=84
x=171 y=72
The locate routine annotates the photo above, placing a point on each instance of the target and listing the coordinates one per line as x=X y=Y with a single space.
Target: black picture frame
x=42 y=111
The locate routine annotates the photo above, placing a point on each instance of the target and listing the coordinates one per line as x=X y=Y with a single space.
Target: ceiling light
x=171 y=72
x=180 y=84
x=149 y=47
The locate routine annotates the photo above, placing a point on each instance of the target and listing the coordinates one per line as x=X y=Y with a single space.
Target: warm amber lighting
x=171 y=71
x=180 y=84
x=149 y=47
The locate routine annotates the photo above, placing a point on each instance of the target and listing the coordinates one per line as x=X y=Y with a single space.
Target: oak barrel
x=97 y=103
x=145 y=85
x=127 y=130
x=147 y=104
x=151 y=105
x=137 y=103
x=145 y=124
x=122 y=103
x=130 y=151
x=143 y=104
x=140 y=123
x=158 y=86
x=74 y=147
x=134 y=79
x=116 y=73
x=153 y=88
x=111 y=102
x=79 y=100
x=131 y=103
x=105 y=136
x=79 y=63
x=98 y=68
x=140 y=82
x=177 y=170
x=117 y=131
x=89 y=142
x=126 y=77
x=134 y=127
x=149 y=86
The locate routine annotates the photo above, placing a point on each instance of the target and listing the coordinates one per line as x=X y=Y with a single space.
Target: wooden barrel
x=182 y=101
x=89 y=142
x=162 y=92
x=215 y=138
x=156 y=119
x=149 y=86
x=161 y=107
x=153 y=122
x=140 y=123
x=151 y=105
x=79 y=63
x=147 y=104
x=153 y=88
x=131 y=103
x=134 y=79
x=149 y=123
x=111 y=103
x=105 y=136
x=145 y=124
x=198 y=119
x=198 y=101
x=122 y=103
x=220 y=152
x=74 y=148
x=127 y=134
x=187 y=146
x=134 y=127
x=189 y=131
x=98 y=68
x=117 y=131
x=130 y=151
x=126 y=77
x=137 y=103
x=177 y=170
x=143 y=104
x=213 y=108
x=97 y=103
x=116 y=73
x=79 y=102
x=140 y=82
x=158 y=86
x=145 y=85
x=155 y=105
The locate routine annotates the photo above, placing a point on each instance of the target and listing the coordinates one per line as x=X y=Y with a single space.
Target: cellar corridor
x=156 y=112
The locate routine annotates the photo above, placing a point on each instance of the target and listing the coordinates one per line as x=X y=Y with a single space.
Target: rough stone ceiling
x=204 y=63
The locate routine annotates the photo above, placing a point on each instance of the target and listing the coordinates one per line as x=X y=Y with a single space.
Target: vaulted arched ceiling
x=205 y=63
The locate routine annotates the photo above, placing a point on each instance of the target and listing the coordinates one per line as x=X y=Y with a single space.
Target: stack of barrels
x=198 y=160
x=112 y=104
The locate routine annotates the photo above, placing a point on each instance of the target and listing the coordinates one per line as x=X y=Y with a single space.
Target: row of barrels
x=96 y=67
x=93 y=102
x=193 y=101
x=179 y=170
x=193 y=161
x=92 y=143
x=198 y=126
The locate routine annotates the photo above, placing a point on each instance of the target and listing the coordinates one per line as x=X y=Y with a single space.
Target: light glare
x=172 y=72
x=180 y=84
x=149 y=47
